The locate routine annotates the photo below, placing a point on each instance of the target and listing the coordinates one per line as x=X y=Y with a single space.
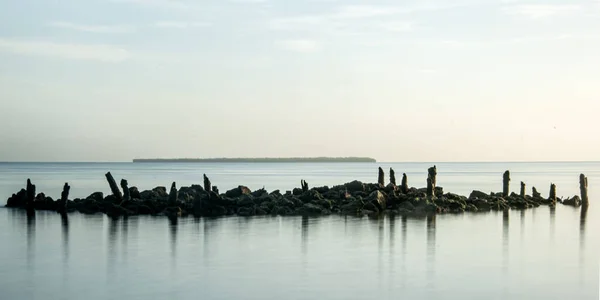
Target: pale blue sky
x=438 y=80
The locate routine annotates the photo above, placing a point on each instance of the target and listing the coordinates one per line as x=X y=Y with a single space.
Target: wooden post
x=522 y=189
x=535 y=193
x=173 y=194
x=552 y=196
x=29 y=201
x=207 y=186
x=583 y=185
x=64 y=196
x=124 y=186
x=392 y=177
x=304 y=185
x=380 y=177
x=432 y=173
x=505 y=183
x=429 y=187
x=113 y=187
x=404 y=183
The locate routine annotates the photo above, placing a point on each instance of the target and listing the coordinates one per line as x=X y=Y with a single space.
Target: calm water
x=538 y=253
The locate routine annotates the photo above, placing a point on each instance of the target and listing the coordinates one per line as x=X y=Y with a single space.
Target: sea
x=541 y=253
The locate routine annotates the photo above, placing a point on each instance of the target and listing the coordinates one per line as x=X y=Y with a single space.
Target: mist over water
x=536 y=253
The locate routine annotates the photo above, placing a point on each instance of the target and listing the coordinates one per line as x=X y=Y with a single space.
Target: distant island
x=258 y=160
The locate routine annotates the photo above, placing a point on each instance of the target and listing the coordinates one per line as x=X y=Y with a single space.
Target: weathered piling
x=535 y=193
x=124 y=186
x=207 y=186
x=404 y=184
x=522 y=189
x=64 y=196
x=583 y=187
x=173 y=193
x=304 y=185
x=30 y=196
x=430 y=192
x=505 y=183
x=392 y=177
x=432 y=173
x=114 y=188
x=380 y=177
x=552 y=194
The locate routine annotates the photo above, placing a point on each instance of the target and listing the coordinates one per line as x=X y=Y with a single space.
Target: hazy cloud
x=93 y=28
x=304 y=46
x=106 y=53
x=537 y=11
x=180 y=25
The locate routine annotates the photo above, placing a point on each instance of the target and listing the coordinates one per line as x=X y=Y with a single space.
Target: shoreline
x=351 y=198
x=258 y=160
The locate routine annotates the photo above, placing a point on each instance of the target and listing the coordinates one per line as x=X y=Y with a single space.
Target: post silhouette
x=505 y=183
x=381 y=177
x=583 y=186
x=392 y=177
x=522 y=190
x=114 y=188
x=404 y=183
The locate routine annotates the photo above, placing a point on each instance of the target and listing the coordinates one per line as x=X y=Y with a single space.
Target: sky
x=403 y=80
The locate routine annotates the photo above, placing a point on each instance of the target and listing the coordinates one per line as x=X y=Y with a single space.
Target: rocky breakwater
x=352 y=198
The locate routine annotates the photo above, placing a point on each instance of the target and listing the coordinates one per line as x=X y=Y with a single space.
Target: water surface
x=539 y=253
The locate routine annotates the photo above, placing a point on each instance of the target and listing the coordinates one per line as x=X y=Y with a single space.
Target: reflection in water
x=112 y=238
x=522 y=223
x=582 y=220
x=65 y=236
x=505 y=229
x=304 y=234
x=403 y=270
x=431 y=248
x=173 y=235
x=552 y=223
x=30 y=239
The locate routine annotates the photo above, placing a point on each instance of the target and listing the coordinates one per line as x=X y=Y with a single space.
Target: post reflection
x=65 y=235
x=30 y=238
x=552 y=222
x=304 y=234
x=173 y=222
x=113 y=224
x=505 y=238
x=404 y=222
x=522 y=223
x=431 y=247
x=582 y=221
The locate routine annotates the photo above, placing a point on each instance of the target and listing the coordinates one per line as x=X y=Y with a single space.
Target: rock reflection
x=30 y=238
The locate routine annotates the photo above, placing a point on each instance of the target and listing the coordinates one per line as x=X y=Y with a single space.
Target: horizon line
x=383 y=162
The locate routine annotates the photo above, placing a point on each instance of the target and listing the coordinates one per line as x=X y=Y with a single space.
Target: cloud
x=304 y=46
x=395 y=26
x=168 y=4
x=180 y=25
x=537 y=11
x=105 y=53
x=93 y=28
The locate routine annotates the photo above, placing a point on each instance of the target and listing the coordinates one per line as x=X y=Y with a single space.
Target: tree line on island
x=260 y=159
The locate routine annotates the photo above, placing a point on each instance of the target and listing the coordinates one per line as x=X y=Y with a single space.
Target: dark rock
x=309 y=209
x=245 y=201
x=238 y=191
x=478 y=195
x=355 y=186
x=378 y=199
x=353 y=208
x=161 y=191
x=97 y=196
x=575 y=201
x=134 y=193
x=246 y=211
x=259 y=192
